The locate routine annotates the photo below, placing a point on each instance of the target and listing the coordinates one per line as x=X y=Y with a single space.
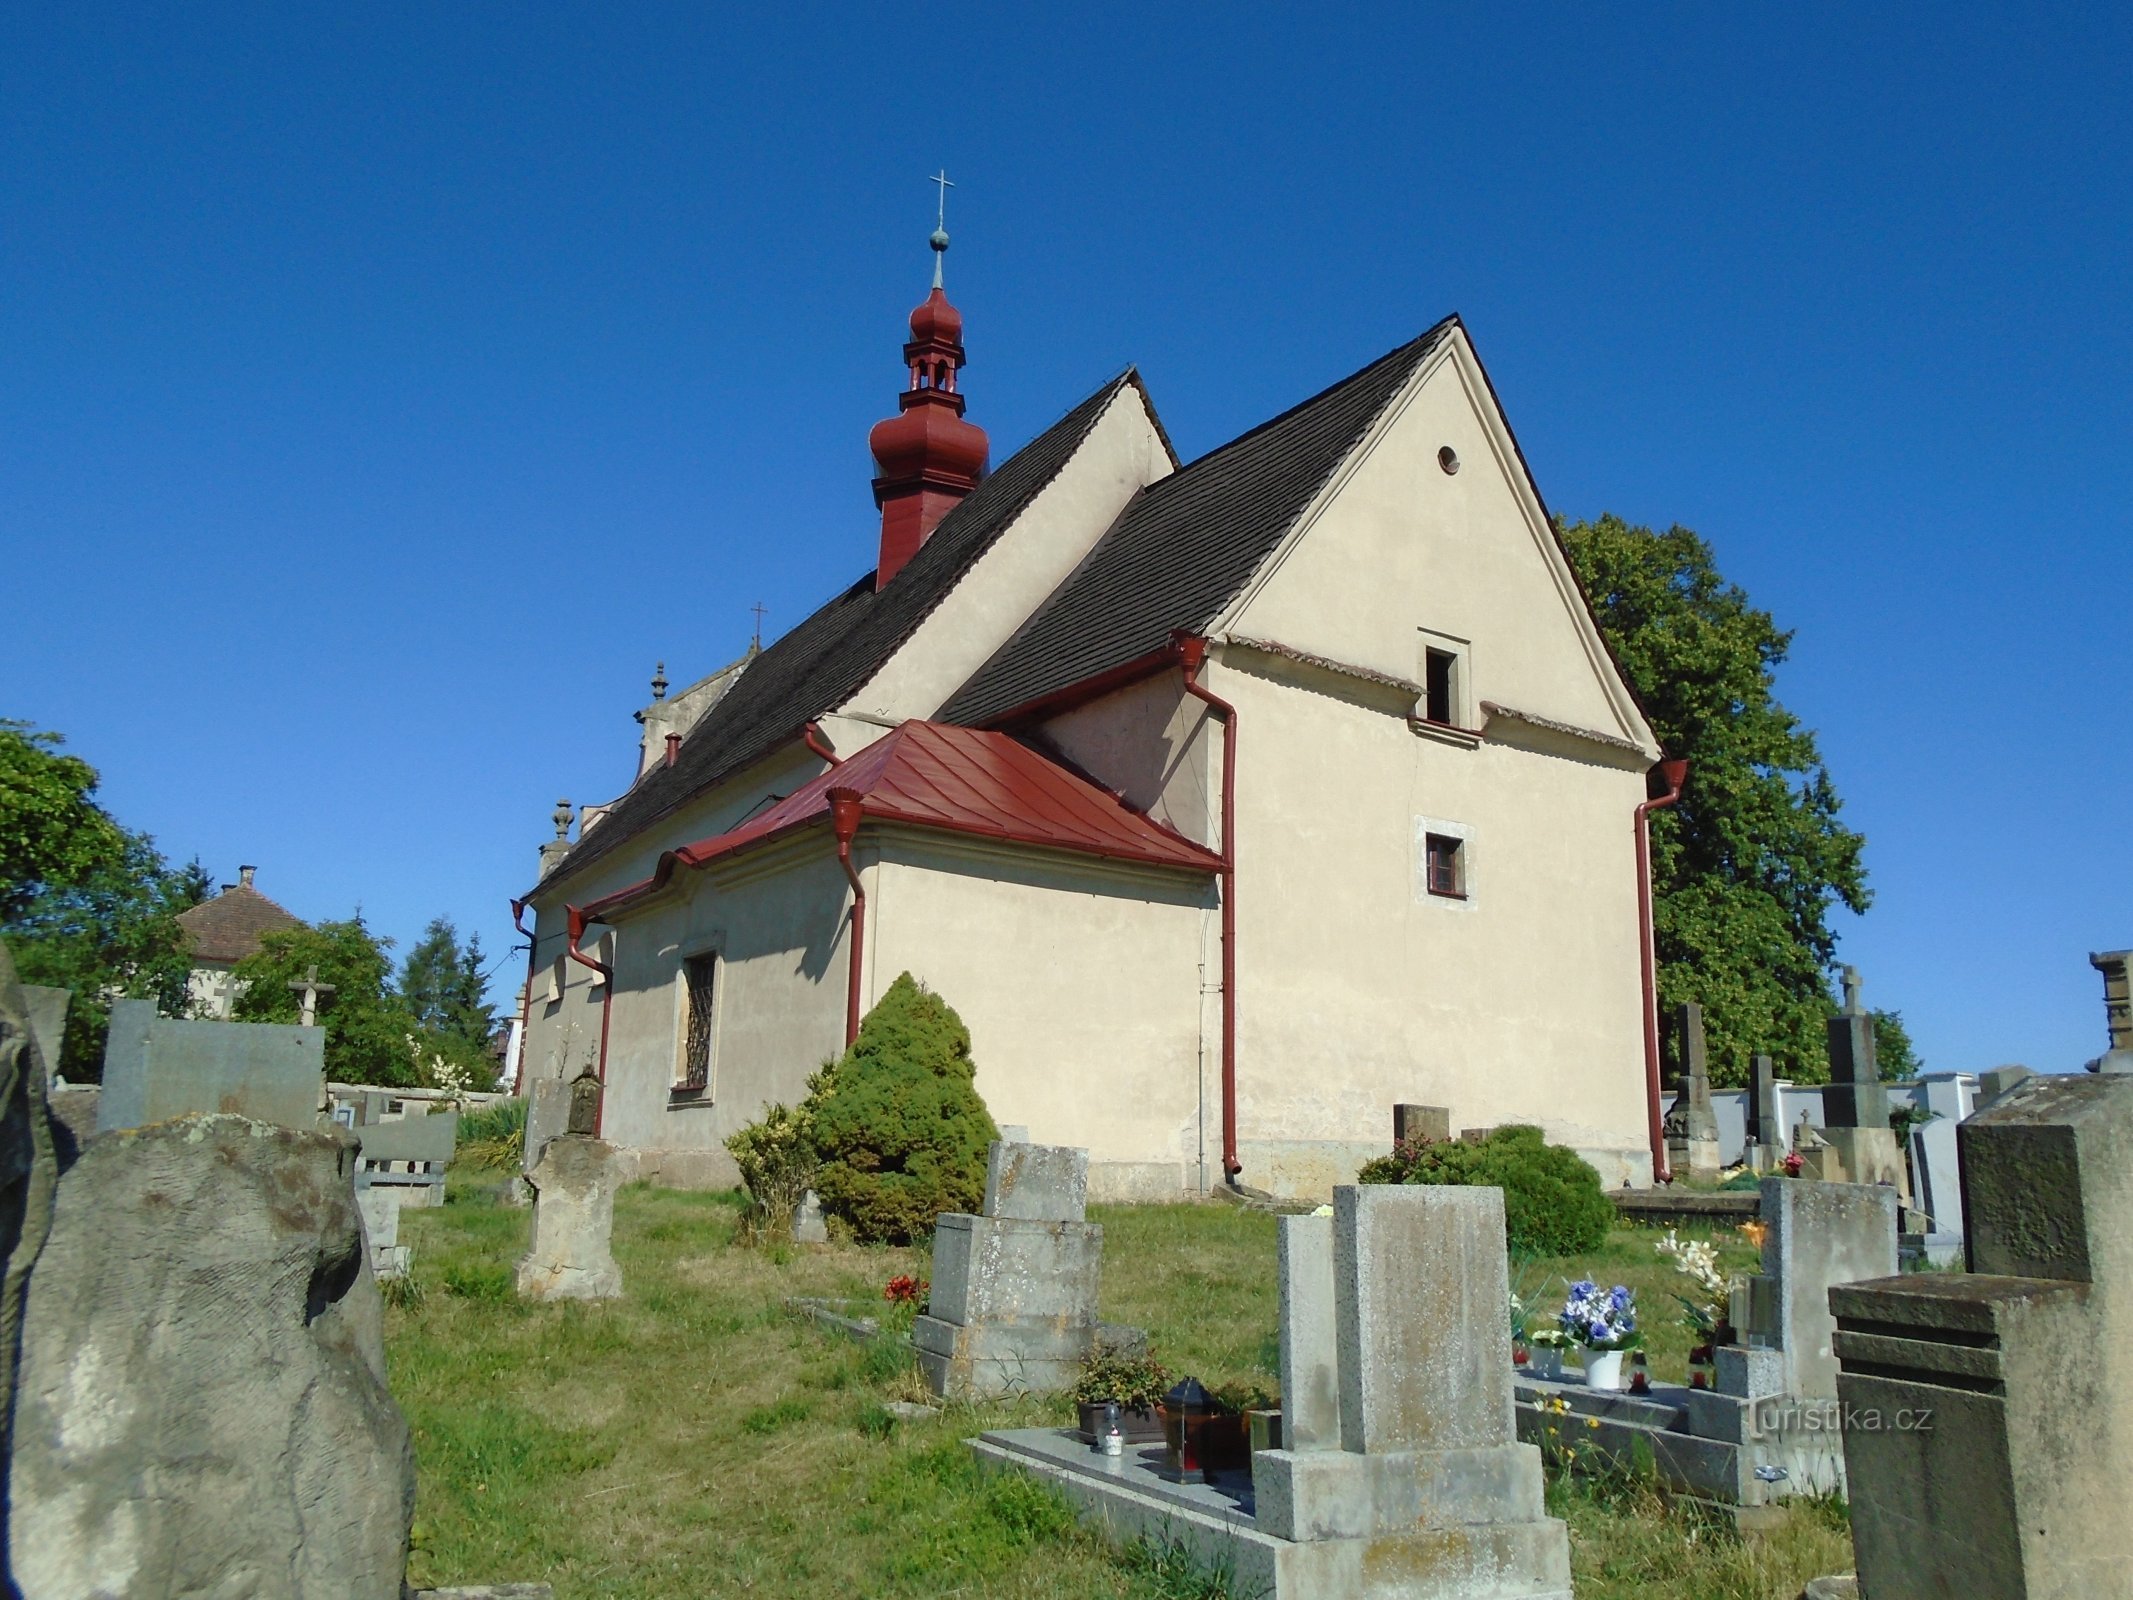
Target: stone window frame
x=1468 y=899
x=1459 y=725
x=680 y=1091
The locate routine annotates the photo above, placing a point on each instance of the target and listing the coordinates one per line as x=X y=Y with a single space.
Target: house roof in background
x=230 y=926
x=961 y=780
x=1185 y=545
x=824 y=660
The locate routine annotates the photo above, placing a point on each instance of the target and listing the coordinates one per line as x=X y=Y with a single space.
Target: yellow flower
x=1592 y=1422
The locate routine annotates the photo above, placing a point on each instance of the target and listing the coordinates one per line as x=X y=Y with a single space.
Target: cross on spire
x=939 y=241
x=758 y=608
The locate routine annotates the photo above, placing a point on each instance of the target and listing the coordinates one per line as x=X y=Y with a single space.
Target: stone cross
x=308 y=991
x=1855 y=1097
x=2117 y=969
x=1852 y=1007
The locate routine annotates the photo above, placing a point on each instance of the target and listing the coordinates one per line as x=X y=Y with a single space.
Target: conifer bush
x=897 y=1122
x=1553 y=1204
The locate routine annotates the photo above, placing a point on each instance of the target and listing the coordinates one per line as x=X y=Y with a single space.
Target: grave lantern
x=585 y=1104
x=1199 y=1437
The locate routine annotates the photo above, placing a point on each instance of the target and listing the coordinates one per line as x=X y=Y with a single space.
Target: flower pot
x=1141 y=1424
x=1546 y=1362
x=1603 y=1369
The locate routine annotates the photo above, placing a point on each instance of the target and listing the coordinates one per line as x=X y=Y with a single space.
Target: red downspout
x=812 y=733
x=1192 y=654
x=1673 y=774
x=844 y=817
x=576 y=927
x=525 y=996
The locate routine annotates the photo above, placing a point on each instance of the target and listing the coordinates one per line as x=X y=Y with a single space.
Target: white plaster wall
x=1398 y=545
x=1356 y=989
x=1150 y=742
x=1121 y=454
x=1080 y=984
x=778 y=921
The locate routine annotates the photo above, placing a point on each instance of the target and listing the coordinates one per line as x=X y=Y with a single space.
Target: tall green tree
x=1748 y=866
x=368 y=1026
x=85 y=903
x=444 y=986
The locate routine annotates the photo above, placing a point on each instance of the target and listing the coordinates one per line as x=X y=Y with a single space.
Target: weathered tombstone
x=1429 y=1481
x=156 y=1068
x=1692 y=1126
x=1986 y=1412
x=585 y=1092
x=2117 y=1010
x=202 y=1406
x=1998 y=1081
x=1310 y=1348
x=1766 y=1133
x=573 y=1222
x=1855 y=1105
x=1936 y=1171
x=1013 y=1307
x=1820 y=1235
x=29 y=1175
x=1421 y=1124
x=409 y=1153
x=809 y=1225
x=380 y=1208
x=47 y=1007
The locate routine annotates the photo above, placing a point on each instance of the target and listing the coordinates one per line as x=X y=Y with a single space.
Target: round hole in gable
x=1448 y=459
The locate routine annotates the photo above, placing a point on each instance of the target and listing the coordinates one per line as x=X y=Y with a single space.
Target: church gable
x=1119 y=454
x=1427 y=558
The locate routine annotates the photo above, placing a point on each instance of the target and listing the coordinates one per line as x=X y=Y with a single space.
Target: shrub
x=897 y=1122
x=777 y=1159
x=493 y=1138
x=1135 y=1382
x=1553 y=1204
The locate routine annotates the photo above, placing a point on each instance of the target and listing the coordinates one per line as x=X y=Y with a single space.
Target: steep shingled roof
x=230 y=926
x=1185 y=545
x=825 y=659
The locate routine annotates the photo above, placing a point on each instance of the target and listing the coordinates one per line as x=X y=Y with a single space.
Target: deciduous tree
x=1747 y=868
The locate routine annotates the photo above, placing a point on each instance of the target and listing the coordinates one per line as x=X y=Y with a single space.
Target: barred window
x=700 y=999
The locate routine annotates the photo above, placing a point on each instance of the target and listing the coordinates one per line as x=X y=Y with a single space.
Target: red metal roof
x=962 y=780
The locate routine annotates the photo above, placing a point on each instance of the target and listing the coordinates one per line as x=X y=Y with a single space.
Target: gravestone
x=409 y=1153
x=380 y=1209
x=1013 y=1307
x=1855 y=1105
x=573 y=1222
x=1692 y=1126
x=1820 y=1235
x=1428 y=1491
x=1310 y=1350
x=1421 y=1124
x=2117 y=1010
x=1936 y=1172
x=1986 y=1437
x=1998 y=1081
x=47 y=1008
x=156 y=1068
x=1766 y=1131
x=202 y=1408
x=29 y=1175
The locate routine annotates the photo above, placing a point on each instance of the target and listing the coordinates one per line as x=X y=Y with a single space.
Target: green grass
x=694 y=1439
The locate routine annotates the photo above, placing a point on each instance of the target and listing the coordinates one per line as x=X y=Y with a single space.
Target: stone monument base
x=1420 y=1553
x=574 y=1188
x=1870 y=1155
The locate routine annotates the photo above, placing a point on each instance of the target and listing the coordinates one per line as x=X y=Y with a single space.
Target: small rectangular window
x=699 y=1011
x=1440 y=687
x=1446 y=862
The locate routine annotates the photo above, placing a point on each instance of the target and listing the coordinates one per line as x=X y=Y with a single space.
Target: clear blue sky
x=383 y=390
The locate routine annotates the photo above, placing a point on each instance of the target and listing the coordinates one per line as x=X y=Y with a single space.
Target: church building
x=1230 y=802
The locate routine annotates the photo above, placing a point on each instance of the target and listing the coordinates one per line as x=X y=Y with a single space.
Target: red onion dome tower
x=926 y=456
